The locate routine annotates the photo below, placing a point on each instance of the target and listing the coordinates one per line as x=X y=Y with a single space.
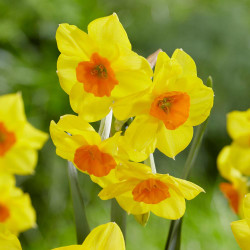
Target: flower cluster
x=19 y=142
x=102 y=75
x=234 y=165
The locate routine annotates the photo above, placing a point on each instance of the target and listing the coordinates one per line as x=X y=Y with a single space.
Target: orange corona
x=7 y=139
x=96 y=75
x=4 y=213
x=89 y=158
x=151 y=191
x=232 y=195
x=172 y=108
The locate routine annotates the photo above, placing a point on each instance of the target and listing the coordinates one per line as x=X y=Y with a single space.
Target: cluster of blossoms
x=103 y=76
x=19 y=142
x=234 y=165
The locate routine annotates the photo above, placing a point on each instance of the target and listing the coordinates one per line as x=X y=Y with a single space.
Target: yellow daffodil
x=19 y=140
x=8 y=241
x=104 y=237
x=140 y=191
x=77 y=141
x=165 y=115
x=238 y=126
x=16 y=211
x=231 y=166
x=98 y=67
x=241 y=228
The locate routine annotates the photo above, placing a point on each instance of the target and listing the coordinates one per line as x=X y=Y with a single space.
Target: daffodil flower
x=16 y=211
x=241 y=228
x=167 y=111
x=97 y=68
x=140 y=191
x=19 y=140
x=107 y=236
x=77 y=141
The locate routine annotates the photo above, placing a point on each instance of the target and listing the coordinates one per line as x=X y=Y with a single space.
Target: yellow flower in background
x=104 y=237
x=84 y=147
x=98 y=67
x=234 y=158
x=8 y=241
x=231 y=165
x=19 y=140
x=238 y=126
x=165 y=116
x=140 y=191
x=241 y=228
x=16 y=211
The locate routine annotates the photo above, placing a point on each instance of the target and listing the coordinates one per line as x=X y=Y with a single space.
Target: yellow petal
x=131 y=206
x=33 y=137
x=172 y=142
x=171 y=208
x=21 y=159
x=74 y=125
x=240 y=158
x=8 y=241
x=162 y=60
x=238 y=126
x=88 y=106
x=108 y=29
x=186 y=62
x=241 y=231
x=12 y=111
x=117 y=189
x=188 y=189
x=110 y=145
x=66 y=71
x=107 y=236
x=166 y=71
x=130 y=82
x=72 y=41
x=23 y=216
x=232 y=161
x=141 y=137
x=133 y=105
x=131 y=170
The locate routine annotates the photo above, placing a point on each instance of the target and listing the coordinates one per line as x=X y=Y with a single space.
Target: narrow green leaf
x=119 y=216
x=82 y=226
x=174 y=235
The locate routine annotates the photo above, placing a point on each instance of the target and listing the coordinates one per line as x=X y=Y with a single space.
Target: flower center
x=96 y=75
x=7 y=139
x=232 y=195
x=172 y=108
x=151 y=191
x=89 y=158
x=4 y=213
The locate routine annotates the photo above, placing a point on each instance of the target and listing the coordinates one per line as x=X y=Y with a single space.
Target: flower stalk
x=81 y=222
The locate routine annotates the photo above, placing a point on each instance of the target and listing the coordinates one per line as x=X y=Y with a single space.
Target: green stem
x=81 y=222
x=119 y=216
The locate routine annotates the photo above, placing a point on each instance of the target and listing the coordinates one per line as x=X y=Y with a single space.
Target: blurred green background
x=214 y=32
